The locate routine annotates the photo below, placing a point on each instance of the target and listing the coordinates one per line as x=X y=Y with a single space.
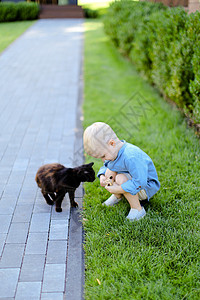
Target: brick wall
x=192 y=5
x=171 y=2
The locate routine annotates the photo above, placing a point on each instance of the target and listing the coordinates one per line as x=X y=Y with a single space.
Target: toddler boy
x=128 y=171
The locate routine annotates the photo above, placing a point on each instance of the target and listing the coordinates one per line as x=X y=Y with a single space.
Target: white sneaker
x=112 y=200
x=135 y=215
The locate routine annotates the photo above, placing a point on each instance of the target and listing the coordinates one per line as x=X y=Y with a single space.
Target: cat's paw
x=50 y=202
x=58 y=209
x=74 y=204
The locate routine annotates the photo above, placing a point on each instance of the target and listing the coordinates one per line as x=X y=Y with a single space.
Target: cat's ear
x=90 y=164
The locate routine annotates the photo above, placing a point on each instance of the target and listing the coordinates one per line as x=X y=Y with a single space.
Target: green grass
x=95 y=4
x=99 y=6
x=11 y=31
x=157 y=257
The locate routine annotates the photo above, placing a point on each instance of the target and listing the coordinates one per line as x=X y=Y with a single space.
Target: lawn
x=95 y=4
x=157 y=257
x=11 y=31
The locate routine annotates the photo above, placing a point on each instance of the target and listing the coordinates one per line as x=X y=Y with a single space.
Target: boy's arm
x=106 y=176
x=102 y=171
x=134 y=185
x=115 y=189
x=101 y=175
x=139 y=173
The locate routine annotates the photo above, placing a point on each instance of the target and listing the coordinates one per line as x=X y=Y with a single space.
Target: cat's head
x=86 y=173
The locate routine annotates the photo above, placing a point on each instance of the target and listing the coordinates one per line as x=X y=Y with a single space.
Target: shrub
x=116 y=17
x=27 y=11
x=8 y=12
x=20 y=11
x=193 y=39
x=164 y=44
x=124 y=19
x=91 y=13
x=180 y=62
x=195 y=84
x=163 y=32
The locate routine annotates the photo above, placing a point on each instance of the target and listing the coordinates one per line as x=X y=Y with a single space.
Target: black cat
x=55 y=181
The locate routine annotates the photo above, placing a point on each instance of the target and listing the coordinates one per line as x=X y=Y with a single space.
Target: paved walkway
x=39 y=101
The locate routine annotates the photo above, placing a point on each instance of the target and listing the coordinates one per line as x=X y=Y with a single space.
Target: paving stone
x=55 y=256
x=27 y=195
x=28 y=290
x=54 y=278
x=32 y=267
x=29 y=180
x=2 y=187
x=18 y=233
x=2 y=241
x=79 y=192
x=58 y=230
x=65 y=214
x=37 y=243
x=39 y=98
x=12 y=256
x=5 y=223
x=4 y=178
x=7 y=205
x=8 y=282
x=52 y=296
x=22 y=213
x=16 y=176
x=12 y=190
x=40 y=222
x=41 y=207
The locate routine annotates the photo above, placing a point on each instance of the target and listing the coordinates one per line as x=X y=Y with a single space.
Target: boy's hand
x=114 y=189
x=109 y=174
x=103 y=180
x=110 y=177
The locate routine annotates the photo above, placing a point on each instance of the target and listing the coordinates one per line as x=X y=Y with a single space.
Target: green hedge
x=164 y=45
x=90 y=13
x=21 y=11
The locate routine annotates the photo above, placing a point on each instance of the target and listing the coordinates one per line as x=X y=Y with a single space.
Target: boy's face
x=108 y=153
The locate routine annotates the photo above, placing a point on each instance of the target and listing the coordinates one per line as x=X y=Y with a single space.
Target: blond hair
x=96 y=138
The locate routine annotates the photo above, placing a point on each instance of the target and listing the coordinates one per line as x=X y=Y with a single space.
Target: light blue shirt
x=138 y=164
